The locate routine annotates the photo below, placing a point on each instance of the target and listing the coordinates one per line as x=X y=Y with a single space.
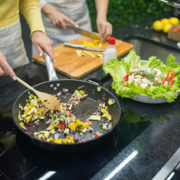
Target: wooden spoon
x=50 y=101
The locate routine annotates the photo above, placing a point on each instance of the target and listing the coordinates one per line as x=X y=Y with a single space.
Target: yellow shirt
x=9 y=13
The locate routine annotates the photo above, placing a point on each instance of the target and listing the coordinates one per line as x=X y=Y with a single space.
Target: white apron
x=76 y=10
x=12 y=46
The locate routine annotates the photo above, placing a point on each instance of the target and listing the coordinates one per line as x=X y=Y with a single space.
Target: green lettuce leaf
x=118 y=69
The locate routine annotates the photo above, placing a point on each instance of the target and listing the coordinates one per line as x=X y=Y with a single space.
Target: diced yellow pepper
x=27 y=109
x=22 y=124
x=71 y=139
x=79 y=123
x=85 y=126
x=35 y=116
x=103 y=111
x=73 y=126
x=107 y=116
x=65 y=141
x=28 y=119
x=82 y=92
x=58 y=141
x=51 y=139
x=31 y=103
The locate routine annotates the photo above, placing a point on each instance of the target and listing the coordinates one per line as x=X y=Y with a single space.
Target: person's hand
x=42 y=43
x=5 y=68
x=104 y=28
x=60 y=20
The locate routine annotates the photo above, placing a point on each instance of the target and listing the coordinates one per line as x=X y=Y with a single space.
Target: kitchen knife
x=86 y=33
x=83 y=47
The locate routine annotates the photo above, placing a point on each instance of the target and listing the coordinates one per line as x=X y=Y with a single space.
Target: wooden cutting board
x=74 y=66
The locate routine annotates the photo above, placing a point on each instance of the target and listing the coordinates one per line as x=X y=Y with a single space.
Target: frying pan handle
x=101 y=81
x=50 y=68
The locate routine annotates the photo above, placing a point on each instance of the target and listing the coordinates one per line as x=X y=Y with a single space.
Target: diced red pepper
x=88 y=122
x=126 y=86
x=97 y=135
x=165 y=79
x=126 y=77
x=156 y=82
x=61 y=125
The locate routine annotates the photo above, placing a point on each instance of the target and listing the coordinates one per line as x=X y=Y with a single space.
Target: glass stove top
x=24 y=160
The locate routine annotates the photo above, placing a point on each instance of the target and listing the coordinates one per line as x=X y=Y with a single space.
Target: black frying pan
x=82 y=111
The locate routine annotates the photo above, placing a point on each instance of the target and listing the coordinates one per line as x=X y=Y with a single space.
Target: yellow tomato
x=165 y=21
x=157 y=25
x=174 y=20
x=167 y=27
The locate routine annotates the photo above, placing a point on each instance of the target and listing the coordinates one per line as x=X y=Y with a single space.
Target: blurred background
x=120 y=13
x=124 y=12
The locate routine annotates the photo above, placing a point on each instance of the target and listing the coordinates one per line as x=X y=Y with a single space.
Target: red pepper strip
x=61 y=125
x=172 y=73
x=171 y=79
x=126 y=77
x=170 y=82
x=163 y=80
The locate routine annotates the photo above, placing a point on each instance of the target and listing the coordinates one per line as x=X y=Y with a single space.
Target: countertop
x=159 y=141
x=150 y=150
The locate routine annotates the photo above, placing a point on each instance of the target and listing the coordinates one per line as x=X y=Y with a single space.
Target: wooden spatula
x=50 y=101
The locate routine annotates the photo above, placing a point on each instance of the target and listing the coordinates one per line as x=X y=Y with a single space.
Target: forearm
x=101 y=8
x=48 y=9
x=42 y=3
x=57 y=18
x=31 y=11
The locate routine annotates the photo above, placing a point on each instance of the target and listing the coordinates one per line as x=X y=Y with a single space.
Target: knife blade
x=86 y=33
x=83 y=47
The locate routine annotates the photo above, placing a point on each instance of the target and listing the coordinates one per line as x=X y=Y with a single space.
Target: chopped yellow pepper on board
x=92 y=44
